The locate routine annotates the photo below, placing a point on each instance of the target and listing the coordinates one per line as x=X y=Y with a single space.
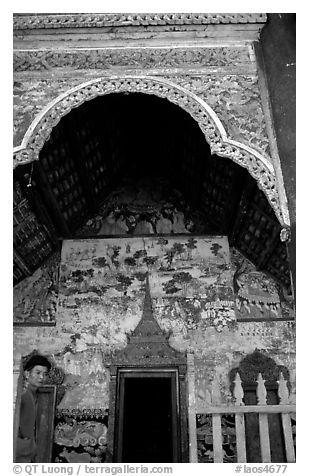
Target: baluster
x=240 y=421
x=215 y=391
x=261 y=393
x=192 y=408
x=216 y=422
x=283 y=393
x=238 y=390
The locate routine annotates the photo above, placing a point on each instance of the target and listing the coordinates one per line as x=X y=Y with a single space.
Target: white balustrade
x=216 y=409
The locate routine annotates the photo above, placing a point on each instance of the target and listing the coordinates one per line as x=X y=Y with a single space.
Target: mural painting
x=100 y=300
x=35 y=298
x=101 y=297
x=190 y=284
x=257 y=295
x=80 y=440
x=82 y=414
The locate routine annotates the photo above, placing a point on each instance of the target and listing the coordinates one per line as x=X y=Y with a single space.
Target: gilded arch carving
x=257 y=165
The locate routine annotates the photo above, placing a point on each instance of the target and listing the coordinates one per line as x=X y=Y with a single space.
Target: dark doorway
x=147 y=430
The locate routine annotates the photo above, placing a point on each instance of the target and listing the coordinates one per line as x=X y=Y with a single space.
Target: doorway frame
x=127 y=373
x=182 y=407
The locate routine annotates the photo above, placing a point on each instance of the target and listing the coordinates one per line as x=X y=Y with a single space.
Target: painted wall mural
x=100 y=299
x=190 y=284
x=35 y=298
x=257 y=295
x=80 y=440
x=142 y=208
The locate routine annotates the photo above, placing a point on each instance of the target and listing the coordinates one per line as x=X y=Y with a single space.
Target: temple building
x=154 y=234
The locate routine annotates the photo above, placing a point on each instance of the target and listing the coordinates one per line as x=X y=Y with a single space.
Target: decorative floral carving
x=99 y=20
x=257 y=165
x=285 y=235
x=144 y=58
x=236 y=99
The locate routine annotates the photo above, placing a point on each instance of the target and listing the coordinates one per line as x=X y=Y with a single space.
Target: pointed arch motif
x=257 y=165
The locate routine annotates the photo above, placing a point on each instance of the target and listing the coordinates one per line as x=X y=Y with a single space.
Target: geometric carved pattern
x=99 y=20
x=256 y=164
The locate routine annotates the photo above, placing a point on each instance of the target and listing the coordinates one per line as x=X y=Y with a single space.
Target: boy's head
x=36 y=370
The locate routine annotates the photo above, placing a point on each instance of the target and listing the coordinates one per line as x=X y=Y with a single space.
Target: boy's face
x=37 y=375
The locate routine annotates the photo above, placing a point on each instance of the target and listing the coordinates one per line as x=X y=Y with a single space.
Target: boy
x=35 y=371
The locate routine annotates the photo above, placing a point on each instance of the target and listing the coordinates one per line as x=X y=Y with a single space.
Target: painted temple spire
x=147 y=326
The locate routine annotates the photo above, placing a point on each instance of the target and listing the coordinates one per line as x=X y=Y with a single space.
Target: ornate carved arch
x=257 y=165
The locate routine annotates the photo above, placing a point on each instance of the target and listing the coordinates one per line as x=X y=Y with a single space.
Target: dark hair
x=37 y=360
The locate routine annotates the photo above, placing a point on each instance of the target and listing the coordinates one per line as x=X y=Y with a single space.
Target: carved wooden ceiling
x=133 y=136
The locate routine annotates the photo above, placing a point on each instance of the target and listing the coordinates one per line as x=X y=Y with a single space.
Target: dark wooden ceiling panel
x=58 y=179
x=32 y=241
